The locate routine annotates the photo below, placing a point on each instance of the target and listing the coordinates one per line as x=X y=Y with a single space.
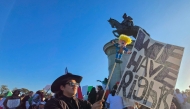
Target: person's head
x=66 y=85
x=172 y=106
x=99 y=88
x=124 y=15
x=23 y=95
x=30 y=93
x=124 y=40
x=106 y=80
x=69 y=88
x=93 y=90
x=16 y=92
x=38 y=92
x=114 y=90
x=117 y=83
x=177 y=91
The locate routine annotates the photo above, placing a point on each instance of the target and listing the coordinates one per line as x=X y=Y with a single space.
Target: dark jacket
x=92 y=97
x=23 y=105
x=67 y=103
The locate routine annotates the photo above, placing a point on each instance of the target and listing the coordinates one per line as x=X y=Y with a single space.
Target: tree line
x=4 y=90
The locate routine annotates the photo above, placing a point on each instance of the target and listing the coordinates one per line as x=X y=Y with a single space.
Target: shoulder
x=85 y=104
x=55 y=104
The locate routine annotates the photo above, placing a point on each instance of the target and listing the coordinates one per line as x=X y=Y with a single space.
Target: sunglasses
x=73 y=84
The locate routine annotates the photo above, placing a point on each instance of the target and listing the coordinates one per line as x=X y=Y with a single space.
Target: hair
x=124 y=15
x=100 y=87
x=93 y=90
x=59 y=94
x=40 y=94
x=14 y=92
x=125 y=38
x=106 y=80
x=23 y=95
x=114 y=90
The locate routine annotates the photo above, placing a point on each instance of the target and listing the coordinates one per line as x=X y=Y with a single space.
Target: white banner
x=84 y=90
x=150 y=75
x=13 y=103
x=47 y=87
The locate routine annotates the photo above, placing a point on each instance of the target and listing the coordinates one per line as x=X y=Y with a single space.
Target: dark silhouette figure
x=92 y=96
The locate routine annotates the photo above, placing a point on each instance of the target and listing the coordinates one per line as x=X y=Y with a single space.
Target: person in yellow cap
x=121 y=47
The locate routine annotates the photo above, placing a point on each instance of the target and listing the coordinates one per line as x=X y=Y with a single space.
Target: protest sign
x=151 y=72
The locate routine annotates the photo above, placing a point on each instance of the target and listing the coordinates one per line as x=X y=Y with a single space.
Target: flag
x=47 y=87
x=9 y=93
x=66 y=70
x=79 y=93
x=90 y=88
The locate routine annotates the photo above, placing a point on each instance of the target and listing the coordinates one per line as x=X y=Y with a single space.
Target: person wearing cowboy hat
x=65 y=89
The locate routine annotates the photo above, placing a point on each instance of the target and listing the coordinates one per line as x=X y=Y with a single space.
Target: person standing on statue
x=121 y=47
x=128 y=21
x=104 y=83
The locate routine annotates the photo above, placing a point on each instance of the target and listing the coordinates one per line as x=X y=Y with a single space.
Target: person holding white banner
x=13 y=101
x=182 y=100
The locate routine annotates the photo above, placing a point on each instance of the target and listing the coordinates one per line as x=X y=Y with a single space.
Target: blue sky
x=38 y=39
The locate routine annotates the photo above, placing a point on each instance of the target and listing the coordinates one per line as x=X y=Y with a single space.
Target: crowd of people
x=65 y=90
x=28 y=101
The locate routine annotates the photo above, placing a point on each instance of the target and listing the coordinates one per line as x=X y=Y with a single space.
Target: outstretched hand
x=97 y=105
x=99 y=81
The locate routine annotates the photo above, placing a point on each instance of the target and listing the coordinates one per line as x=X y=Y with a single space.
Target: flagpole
x=47 y=91
x=109 y=79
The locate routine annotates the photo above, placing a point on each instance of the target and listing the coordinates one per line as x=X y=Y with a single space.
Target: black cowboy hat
x=55 y=87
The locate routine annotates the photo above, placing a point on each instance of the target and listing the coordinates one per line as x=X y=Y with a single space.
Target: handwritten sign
x=151 y=72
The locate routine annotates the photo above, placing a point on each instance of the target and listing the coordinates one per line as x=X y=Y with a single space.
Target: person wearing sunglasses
x=65 y=89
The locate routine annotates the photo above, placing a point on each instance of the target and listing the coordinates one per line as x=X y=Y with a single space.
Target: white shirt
x=180 y=97
x=115 y=102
